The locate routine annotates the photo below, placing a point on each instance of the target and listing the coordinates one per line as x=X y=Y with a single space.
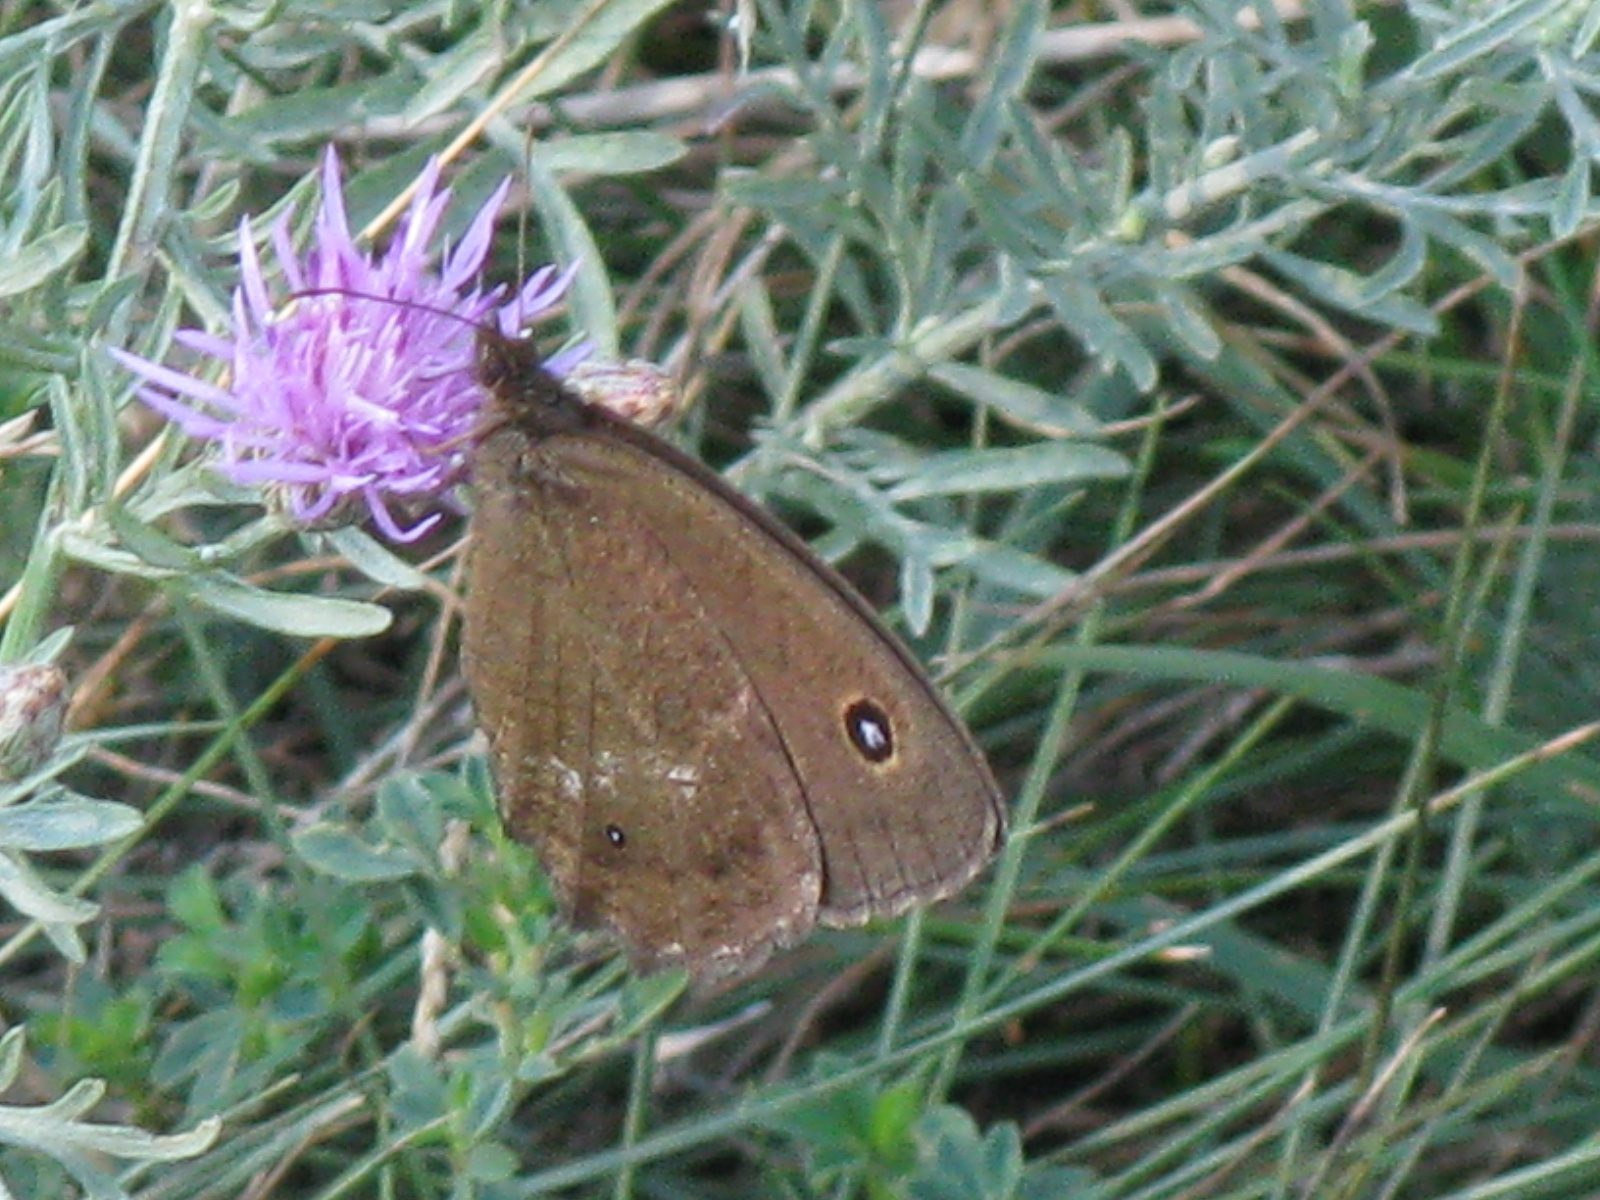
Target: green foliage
x=267 y=976
x=956 y=1160
x=83 y=1149
x=1215 y=395
x=862 y=1134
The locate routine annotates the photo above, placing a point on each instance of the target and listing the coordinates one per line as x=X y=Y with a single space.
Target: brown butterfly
x=708 y=736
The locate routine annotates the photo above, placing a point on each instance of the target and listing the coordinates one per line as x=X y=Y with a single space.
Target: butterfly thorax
x=522 y=392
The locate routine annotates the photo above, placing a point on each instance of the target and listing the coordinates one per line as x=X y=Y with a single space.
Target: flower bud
x=637 y=391
x=33 y=707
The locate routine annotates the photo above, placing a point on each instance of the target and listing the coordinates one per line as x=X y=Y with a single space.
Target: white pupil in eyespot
x=874 y=738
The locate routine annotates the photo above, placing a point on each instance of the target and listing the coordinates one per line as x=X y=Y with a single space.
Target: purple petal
x=559 y=363
x=421 y=219
x=335 y=224
x=464 y=261
x=271 y=470
x=205 y=343
x=251 y=280
x=176 y=381
x=283 y=247
x=195 y=424
x=386 y=522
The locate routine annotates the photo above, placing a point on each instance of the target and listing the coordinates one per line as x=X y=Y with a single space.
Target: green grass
x=1285 y=646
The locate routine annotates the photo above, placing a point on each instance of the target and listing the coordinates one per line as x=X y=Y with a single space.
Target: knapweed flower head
x=356 y=389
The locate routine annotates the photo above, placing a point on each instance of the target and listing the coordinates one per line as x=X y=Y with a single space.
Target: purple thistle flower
x=361 y=395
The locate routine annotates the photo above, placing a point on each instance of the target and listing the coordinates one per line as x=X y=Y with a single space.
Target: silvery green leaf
x=285 y=612
x=1029 y=407
x=1008 y=469
x=624 y=152
x=41 y=259
x=59 y=1131
x=375 y=560
x=341 y=852
x=58 y=914
x=64 y=821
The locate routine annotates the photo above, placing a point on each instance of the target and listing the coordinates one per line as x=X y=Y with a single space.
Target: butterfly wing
x=628 y=746
x=705 y=731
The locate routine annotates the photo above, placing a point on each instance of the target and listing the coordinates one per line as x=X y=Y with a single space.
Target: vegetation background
x=1211 y=391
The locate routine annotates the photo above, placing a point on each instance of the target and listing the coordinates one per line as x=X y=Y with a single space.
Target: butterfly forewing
x=627 y=745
